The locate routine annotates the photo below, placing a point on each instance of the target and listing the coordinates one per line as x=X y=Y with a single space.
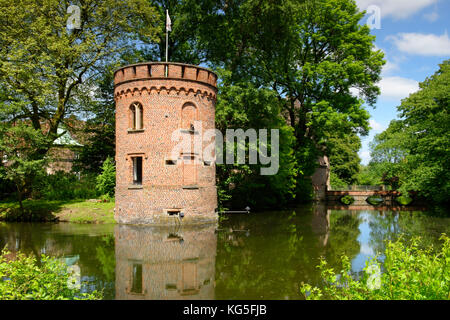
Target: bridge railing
x=357 y=188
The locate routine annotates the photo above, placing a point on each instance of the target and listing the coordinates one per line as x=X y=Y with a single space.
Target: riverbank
x=77 y=211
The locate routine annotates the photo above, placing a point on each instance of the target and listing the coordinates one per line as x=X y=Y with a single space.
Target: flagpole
x=167 y=37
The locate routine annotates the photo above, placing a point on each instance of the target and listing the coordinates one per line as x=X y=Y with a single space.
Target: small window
x=137 y=170
x=136 y=116
x=173 y=212
x=171 y=162
x=207 y=163
x=136 y=284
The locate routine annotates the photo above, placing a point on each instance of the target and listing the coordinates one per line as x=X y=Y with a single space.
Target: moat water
x=263 y=255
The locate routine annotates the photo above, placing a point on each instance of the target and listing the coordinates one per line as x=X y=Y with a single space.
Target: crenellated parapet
x=165 y=78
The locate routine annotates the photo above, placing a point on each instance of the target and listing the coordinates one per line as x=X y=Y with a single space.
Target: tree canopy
x=416 y=148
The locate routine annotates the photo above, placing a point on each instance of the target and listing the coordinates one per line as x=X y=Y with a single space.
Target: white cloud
x=366 y=249
x=432 y=16
x=422 y=44
x=398 y=9
x=365 y=157
x=389 y=67
x=377 y=127
x=397 y=87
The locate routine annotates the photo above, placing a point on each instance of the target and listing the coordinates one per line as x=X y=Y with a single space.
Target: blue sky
x=414 y=37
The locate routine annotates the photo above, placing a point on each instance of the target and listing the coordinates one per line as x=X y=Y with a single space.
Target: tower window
x=137 y=170
x=136 y=116
x=136 y=282
x=171 y=162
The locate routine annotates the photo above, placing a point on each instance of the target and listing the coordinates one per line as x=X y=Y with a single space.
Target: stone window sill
x=135 y=186
x=135 y=130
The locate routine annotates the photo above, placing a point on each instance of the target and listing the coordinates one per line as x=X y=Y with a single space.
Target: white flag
x=168 y=22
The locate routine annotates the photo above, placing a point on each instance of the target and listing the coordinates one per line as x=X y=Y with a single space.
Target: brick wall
x=169 y=103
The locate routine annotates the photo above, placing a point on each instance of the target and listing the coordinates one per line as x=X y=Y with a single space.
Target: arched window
x=189 y=115
x=136 y=116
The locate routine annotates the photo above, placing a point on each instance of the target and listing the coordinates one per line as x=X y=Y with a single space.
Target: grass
x=78 y=211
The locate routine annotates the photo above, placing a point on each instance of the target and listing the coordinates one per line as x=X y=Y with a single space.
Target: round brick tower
x=159 y=105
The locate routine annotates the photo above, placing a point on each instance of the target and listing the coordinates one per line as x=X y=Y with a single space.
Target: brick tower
x=154 y=186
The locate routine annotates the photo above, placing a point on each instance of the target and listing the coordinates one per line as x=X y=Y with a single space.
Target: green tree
x=426 y=121
x=18 y=145
x=244 y=106
x=344 y=159
x=414 y=152
x=48 y=71
x=106 y=181
x=100 y=129
x=309 y=54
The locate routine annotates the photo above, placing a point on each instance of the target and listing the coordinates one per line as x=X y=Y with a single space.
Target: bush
x=347 y=200
x=411 y=272
x=404 y=200
x=106 y=181
x=23 y=279
x=64 y=186
x=336 y=182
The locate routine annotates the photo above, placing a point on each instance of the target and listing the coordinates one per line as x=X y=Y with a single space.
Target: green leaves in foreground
x=23 y=279
x=410 y=272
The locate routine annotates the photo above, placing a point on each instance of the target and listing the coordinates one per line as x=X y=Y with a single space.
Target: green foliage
x=404 y=200
x=335 y=181
x=319 y=52
x=107 y=260
x=347 y=200
x=47 y=72
x=100 y=129
x=64 y=186
x=23 y=279
x=106 y=181
x=244 y=106
x=19 y=143
x=410 y=272
x=344 y=159
x=414 y=152
x=369 y=175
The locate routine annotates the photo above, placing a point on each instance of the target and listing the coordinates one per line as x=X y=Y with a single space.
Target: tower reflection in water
x=162 y=263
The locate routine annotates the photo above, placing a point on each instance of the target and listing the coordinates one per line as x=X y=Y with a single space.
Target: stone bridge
x=361 y=195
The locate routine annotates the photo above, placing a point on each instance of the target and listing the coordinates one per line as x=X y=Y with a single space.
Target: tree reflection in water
x=250 y=256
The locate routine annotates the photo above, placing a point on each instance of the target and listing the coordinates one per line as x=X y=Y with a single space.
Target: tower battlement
x=158 y=76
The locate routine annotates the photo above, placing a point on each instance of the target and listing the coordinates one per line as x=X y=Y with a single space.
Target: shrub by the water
x=347 y=200
x=410 y=272
x=404 y=200
x=23 y=279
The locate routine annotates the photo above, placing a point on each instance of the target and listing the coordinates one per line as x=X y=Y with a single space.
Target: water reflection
x=165 y=263
x=87 y=248
x=249 y=256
